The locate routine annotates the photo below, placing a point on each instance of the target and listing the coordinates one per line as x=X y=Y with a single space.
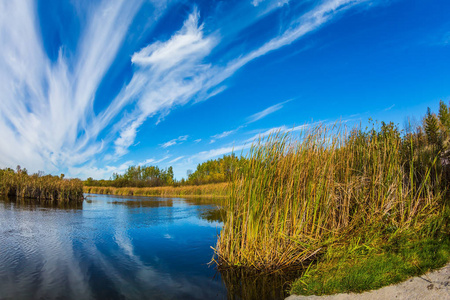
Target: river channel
x=112 y=247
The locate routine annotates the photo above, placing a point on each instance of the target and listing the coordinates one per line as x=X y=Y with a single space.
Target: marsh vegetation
x=312 y=199
x=19 y=184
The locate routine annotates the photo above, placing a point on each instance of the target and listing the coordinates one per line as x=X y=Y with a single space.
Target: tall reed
x=295 y=195
x=49 y=188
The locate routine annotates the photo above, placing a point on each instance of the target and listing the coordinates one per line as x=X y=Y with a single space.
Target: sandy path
x=434 y=285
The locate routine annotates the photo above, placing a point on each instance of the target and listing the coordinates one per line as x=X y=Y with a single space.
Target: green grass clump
x=345 y=270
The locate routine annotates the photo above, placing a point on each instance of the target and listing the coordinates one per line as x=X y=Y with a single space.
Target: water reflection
x=243 y=284
x=145 y=203
x=213 y=215
x=32 y=204
x=114 y=247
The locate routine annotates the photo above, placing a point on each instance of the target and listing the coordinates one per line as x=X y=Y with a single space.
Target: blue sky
x=91 y=87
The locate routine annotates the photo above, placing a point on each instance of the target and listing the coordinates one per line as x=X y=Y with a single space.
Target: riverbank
x=216 y=190
x=432 y=285
x=363 y=267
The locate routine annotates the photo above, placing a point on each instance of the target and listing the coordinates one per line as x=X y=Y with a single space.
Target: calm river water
x=114 y=247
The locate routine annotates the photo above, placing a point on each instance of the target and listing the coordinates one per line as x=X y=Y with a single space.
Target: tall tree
x=444 y=116
x=432 y=128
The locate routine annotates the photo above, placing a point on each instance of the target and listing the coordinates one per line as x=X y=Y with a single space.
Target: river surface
x=113 y=247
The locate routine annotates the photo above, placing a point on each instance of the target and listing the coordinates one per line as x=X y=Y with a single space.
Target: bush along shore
x=357 y=209
x=19 y=184
x=216 y=190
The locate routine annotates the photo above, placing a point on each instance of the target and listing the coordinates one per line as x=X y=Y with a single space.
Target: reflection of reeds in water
x=33 y=204
x=208 y=190
x=48 y=188
x=214 y=215
x=244 y=284
x=294 y=196
x=145 y=203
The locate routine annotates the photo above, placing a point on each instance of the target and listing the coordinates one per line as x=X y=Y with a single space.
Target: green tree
x=432 y=129
x=214 y=171
x=170 y=175
x=444 y=116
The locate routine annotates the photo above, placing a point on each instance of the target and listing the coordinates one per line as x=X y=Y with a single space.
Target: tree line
x=137 y=176
x=211 y=171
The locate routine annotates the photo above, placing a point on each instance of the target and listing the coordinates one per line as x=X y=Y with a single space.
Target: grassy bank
x=361 y=267
x=43 y=188
x=311 y=197
x=207 y=190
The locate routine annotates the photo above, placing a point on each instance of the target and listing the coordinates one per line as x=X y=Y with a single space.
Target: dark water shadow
x=249 y=285
x=145 y=203
x=33 y=204
x=214 y=215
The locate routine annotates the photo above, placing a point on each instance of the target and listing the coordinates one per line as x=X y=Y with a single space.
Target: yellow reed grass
x=294 y=195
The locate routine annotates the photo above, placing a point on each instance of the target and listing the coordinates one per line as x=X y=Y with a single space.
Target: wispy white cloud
x=269 y=4
x=301 y=26
x=105 y=172
x=265 y=133
x=205 y=155
x=256 y=2
x=176 y=141
x=250 y=119
x=165 y=81
x=46 y=113
x=46 y=106
x=275 y=130
x=176 y=159
x=147 y=162
x=168 y=73
x=162 y=159
x=223 y=134
x=264 y=113
x=389 y=108
x=98 y=173
x=226 y=133
x=152 y=161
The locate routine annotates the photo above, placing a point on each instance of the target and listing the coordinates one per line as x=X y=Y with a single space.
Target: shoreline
x=431 y=285
x=216 y=190
x=166 y=196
